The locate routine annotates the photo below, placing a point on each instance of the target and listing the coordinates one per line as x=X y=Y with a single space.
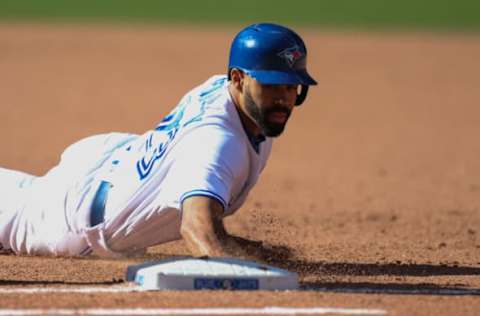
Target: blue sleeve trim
x=204 y=193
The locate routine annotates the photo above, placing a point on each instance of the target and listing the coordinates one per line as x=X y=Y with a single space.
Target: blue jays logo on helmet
x=291 y=55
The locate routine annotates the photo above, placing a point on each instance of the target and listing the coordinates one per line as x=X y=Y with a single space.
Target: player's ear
x=237 y=78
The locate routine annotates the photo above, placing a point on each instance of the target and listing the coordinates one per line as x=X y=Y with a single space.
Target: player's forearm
x=202 y=229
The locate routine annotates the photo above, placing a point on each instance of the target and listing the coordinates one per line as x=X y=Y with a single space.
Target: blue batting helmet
x=272 y=54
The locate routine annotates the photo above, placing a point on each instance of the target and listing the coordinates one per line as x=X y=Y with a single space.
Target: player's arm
x=203 y=230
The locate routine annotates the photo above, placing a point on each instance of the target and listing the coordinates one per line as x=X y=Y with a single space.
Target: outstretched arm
x=203 y=230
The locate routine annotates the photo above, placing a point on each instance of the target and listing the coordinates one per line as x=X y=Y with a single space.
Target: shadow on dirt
x=373 y=269
x=389 y=288
x=283 y=257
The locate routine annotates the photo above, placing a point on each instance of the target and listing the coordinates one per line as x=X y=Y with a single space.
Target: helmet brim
x=281 y=77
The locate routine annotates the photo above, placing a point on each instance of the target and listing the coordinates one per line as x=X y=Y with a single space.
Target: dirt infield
x=372 y=194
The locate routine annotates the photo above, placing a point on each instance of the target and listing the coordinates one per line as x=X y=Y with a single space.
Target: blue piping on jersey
x=204 y=193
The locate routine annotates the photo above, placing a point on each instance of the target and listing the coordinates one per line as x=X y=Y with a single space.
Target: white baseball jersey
x=200 y=148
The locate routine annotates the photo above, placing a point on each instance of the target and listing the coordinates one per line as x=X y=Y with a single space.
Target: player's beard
x=261 y=116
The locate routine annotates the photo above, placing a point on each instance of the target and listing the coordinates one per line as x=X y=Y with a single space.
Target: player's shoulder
x=210 y=104
x=211 y=94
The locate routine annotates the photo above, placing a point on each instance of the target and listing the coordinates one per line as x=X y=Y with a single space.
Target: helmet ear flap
x=302 y=95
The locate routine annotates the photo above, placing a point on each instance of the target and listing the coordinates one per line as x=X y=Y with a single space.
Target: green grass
x=364 y=14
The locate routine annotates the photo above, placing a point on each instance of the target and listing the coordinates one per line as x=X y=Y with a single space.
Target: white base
x=210 y=274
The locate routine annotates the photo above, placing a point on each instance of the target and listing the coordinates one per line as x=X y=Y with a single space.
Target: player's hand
x=204 y=233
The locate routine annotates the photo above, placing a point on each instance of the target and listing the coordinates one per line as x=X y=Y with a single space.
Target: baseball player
x=117 y=194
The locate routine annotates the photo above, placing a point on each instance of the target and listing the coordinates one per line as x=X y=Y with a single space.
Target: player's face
x=269 y=106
